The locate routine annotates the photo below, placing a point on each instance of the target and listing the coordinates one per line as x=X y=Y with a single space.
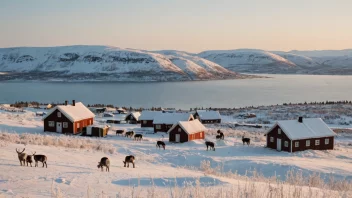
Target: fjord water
x=222 y=93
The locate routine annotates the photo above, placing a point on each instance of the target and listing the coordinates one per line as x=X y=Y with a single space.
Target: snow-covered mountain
x=249 y=60
x=302 y=62
x=106 y=63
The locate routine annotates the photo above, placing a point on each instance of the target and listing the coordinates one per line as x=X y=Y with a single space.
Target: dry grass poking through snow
x=247 y=189
x=59 y=141
x=295 y=178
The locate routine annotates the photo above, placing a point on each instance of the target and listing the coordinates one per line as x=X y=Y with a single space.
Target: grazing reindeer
x=218 y=137
x=138 y=137
x=221 y=135
x=40 y=158
x=246 y=140
x=129 y=159
x=129 y=134
x=210 y=144
x=22 y=157
x=119 y=132
x=104 y=162
x=29 y=160
x=160 y=143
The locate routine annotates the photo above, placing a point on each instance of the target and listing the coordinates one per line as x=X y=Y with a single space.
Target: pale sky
x=189 y=25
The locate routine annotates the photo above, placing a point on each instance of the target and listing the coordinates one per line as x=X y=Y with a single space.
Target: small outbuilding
x=185 y=131
x=68 y=118
x=300 y=135
x=133 y=118
x=208 y=116
x=163 y=122
x=97 y=130
x=147 y=118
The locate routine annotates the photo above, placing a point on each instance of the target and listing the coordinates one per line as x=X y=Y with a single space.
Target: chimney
x=66 y=102
x=73 y=103
x=300 y=119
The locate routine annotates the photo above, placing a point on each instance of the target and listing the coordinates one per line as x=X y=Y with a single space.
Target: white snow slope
x=261 y=61
x=73 y=168
x=109 y=63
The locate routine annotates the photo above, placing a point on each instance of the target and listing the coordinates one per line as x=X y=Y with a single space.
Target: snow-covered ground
x=232 y=168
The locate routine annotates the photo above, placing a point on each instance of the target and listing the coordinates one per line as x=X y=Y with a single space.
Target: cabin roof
x=149 y=115
x=73 y=113
x=171 y=118
x=208 y=115
x=309 y=128
x=136 y=115
x=190 y=127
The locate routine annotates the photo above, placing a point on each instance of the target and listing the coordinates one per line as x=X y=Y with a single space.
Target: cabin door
x=278 y=144
x=178 y=137
x=59 y=127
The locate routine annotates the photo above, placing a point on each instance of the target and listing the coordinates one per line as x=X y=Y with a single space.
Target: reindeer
x=138 y=137
x=210 y=144
x=119 y=132
x=22 y=157
x=40 y=158
x=221 y=135
x=129 y=134
x=29 y=160
x=104 y=162
x=129 y=159
x=218 y=137
x=160 y=143
x=246 y=140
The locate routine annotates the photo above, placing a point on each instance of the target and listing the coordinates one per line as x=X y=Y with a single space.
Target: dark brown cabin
x=163 y=122
x=133 y=118
x=185 y=131
x=147 y=118
x=208 y=116
x=300 y=135
x=68 y=119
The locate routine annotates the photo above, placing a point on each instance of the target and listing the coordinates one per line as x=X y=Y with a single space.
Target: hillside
x=105 y=63
x=294 y=62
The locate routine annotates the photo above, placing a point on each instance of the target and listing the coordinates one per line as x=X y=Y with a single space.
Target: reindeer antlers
x=33 y=153
x=20 y=152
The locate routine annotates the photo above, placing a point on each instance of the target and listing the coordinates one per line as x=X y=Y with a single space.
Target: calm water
x=226 y=93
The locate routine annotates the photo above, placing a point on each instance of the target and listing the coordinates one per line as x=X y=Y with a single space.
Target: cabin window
x=327 y=141
x=317 y=142
x=286 y=143
x=179 y=130
x=144 y=122
x=51 y=123
x=77 y=125
x=201 y=135
x=296 y=144
x=158 y=126
x=65 y=125
x=279 y=131
x=271 y=139
x=307 y=142
x=59 y=114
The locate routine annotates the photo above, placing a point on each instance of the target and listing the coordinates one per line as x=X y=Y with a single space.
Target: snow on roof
x=171 y=118
x=149 y=115
x=309 y=128
x=190 y=127
x=208 y=115
x=136 y=115
x=73 y=113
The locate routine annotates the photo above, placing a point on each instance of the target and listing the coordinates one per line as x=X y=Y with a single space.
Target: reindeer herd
x=105 y=162
x=25 y=158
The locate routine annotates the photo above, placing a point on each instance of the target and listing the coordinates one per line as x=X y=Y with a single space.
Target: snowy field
x=182 y=170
